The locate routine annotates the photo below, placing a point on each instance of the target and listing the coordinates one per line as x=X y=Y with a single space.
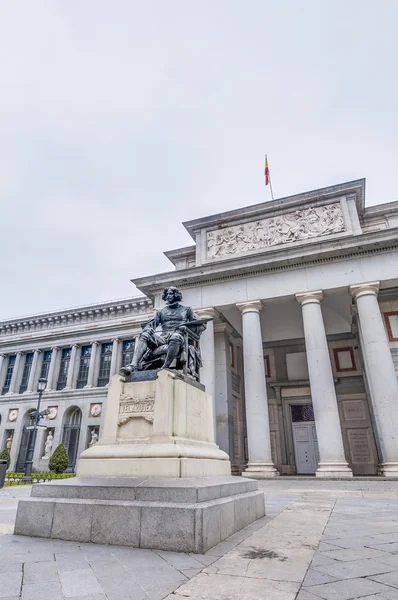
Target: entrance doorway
x=304 y=439
x=71 y=434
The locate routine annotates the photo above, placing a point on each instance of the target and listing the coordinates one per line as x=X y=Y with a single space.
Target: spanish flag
x=266 y=171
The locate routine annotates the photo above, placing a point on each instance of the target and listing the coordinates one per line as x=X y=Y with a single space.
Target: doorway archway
x=71 y=434
x=26 y=438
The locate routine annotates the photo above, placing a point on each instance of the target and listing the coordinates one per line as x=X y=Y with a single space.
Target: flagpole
x=270 y=187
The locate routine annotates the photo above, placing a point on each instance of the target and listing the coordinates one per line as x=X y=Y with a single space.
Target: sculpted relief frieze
x=132 y=407
x=300 y=225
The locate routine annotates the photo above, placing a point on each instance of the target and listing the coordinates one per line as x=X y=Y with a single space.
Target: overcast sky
x=121 y=119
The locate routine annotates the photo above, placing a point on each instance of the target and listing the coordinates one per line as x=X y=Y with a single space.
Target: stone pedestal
x=180 y=515
x=158 y=428
x=155 y=479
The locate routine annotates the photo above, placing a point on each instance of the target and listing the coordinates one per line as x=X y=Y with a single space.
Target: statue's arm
x=153 y=323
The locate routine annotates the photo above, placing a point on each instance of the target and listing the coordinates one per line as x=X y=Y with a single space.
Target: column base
x=260 y=471
x=389 y=469
x=333 y=470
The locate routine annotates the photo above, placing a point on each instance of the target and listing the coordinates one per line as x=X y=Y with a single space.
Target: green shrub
x=59 y=460
x=42 y=475
x=5 y=455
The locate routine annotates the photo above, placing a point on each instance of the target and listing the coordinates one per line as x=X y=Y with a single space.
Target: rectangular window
x=127 y=352
x=45 y=365
x=64 y=368
x=105 y=364
x=391 y=319
x=344 y=359
x=83 y=367
x=10 y=368
x=26 y=373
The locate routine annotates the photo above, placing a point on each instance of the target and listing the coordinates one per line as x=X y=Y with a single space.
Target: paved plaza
x=319 y=540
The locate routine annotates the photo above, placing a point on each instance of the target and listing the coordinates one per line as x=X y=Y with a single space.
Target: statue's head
x=171 y=295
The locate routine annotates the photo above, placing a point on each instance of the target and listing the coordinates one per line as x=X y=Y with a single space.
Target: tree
x=5 y=455
x=59 y=460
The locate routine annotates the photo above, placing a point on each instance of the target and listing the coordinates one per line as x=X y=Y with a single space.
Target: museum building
x=300 y=353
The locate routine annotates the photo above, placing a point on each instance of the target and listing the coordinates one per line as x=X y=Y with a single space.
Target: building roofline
x=356 y=187
x=172 y=255
x=280 y=258
x=78 y=309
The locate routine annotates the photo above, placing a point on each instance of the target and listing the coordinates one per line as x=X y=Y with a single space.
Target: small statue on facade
x=9 y=443
x=170 y=339
x=94 y=438
x=48 y=445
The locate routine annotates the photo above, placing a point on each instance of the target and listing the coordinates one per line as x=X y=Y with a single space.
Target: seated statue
x=170 y=339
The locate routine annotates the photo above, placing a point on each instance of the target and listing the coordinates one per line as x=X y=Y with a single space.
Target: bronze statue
x=170 y=339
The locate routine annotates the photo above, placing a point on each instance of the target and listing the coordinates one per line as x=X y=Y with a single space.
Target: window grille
x=105 y=364
x=45 y=366
x=26 y=373
x=127 y=352
x=302 y=412
x=10 y=369
x=64 y=368
x=84 y=365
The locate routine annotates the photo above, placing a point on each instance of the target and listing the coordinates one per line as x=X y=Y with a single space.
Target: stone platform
x=184 y=515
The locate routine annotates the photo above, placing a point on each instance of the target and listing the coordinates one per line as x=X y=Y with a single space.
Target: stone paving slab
x=319 y=540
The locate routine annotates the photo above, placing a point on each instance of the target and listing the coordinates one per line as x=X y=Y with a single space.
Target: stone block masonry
x=180 y=515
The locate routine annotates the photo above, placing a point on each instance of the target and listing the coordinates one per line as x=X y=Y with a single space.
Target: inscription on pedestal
x=133 y=407
x=359 y=445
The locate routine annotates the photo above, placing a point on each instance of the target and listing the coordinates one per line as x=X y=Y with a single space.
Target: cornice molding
x=181 y=278
x=85 y=315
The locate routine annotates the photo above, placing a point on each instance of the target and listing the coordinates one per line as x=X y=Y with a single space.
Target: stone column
x=51 y=369
x=115 y=356
x=380 y=373
x=93 y=361
x=324 y=401
x=72 y=365
x=15 y=373
x=260 y=464
x=223 y=388
x=207 y=349
x=33 y=369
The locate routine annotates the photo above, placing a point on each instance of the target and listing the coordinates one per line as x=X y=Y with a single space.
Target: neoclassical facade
x=300 y=352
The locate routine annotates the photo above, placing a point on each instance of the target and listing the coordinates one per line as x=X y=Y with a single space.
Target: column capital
x=3 y=355
x=314 y=297
x=76 y=345
x=116 y=339
x=37 y=350
x=55 y=348
x=206 y=313
x=223 y=328
x=95 y=343
x=250 y=306
x=20 y=353
x=364 y=289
